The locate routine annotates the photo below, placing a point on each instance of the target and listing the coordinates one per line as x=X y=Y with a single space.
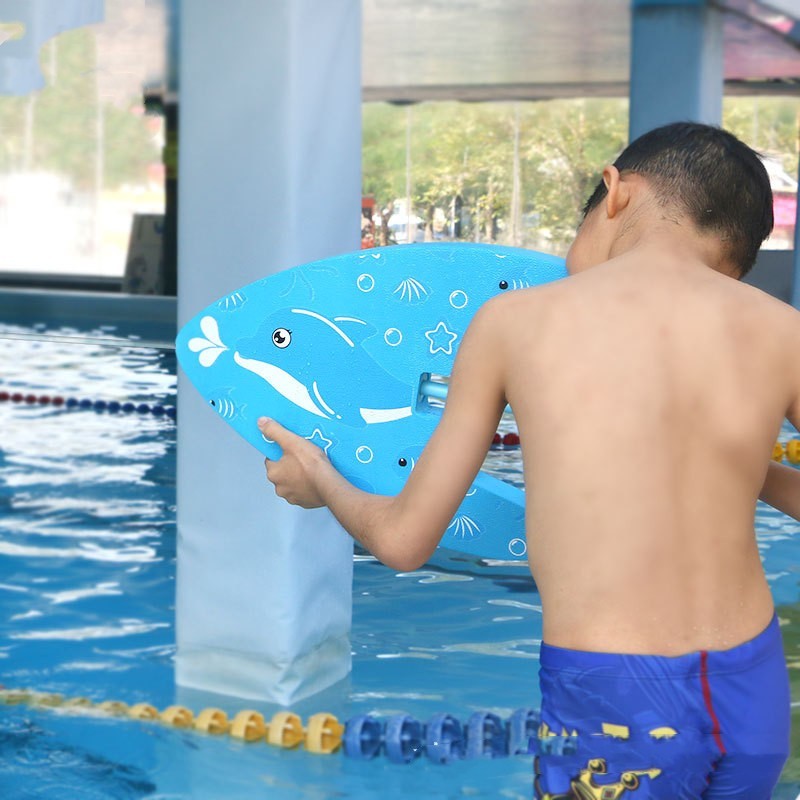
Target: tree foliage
x=57 y=129
x=768 y=124
x=467 y=151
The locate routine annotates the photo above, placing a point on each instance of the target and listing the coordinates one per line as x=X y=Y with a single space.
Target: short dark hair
x=706 y=172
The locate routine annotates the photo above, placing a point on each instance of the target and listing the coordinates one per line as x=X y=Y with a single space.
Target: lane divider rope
x=110 y=406
x=790 y=451
x=401 y=738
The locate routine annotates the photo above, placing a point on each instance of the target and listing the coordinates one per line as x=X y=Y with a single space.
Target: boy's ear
x=618 y=191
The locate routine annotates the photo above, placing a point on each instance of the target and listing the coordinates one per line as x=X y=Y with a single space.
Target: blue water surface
x=87 y=569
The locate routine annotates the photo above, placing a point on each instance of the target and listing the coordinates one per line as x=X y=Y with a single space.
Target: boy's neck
x=670 y=243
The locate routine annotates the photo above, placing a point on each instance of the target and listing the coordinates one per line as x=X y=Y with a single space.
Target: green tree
x=466 y=151
x=64 y=132
x=56 y=129
x=767 y=124
x=568 y=143
x=383 y=151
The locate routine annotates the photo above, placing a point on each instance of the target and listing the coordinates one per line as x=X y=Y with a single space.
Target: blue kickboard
x=337 y=351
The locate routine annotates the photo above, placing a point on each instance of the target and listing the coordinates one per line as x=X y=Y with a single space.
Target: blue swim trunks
x=711 y=724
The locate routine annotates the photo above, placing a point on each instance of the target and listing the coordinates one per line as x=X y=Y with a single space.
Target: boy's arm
x=782 y=485
x=782 y=489
x=403 y=531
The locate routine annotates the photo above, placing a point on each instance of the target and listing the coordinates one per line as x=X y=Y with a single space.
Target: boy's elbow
x=406 y=542
x=403 y=561
x=406 y=549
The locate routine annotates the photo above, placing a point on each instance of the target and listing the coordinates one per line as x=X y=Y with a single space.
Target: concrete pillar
x=676 y=64
x=269 y=177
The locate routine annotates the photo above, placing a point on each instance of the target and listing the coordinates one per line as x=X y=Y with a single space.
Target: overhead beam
x=512 y=92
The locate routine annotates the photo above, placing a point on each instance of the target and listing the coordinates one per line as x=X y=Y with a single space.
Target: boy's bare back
x=649 y=392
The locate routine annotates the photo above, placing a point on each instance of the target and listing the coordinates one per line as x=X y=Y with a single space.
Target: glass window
x=78 y=154
x=770 y=126
x=519 y=173
x=512 y=173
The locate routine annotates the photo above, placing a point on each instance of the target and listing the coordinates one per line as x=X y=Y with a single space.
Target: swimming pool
x=87 y=567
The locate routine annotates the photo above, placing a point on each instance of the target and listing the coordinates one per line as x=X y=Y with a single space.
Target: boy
x=662 y=669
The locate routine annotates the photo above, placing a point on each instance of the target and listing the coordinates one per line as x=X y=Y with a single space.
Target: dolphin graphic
x=303 y=355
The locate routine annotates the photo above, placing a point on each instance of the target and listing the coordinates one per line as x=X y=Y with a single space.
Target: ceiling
x=527 y=49
x=417 y=50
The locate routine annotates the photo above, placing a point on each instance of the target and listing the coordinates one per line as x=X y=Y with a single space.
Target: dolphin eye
x=402 y=462
x=281 y=338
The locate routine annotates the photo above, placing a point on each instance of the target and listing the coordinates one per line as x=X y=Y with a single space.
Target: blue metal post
x=676 y=63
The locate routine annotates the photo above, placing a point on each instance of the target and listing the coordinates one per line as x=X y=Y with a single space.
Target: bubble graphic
x=392 y=337
x=458 y=299
x=517 y=547
x=364 y=454
x=365 y=282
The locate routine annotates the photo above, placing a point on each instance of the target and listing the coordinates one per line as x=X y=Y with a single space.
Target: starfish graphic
x=318 y=439
x=441 y=339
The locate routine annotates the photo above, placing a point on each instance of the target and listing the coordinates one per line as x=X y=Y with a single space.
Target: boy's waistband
x=640 y=666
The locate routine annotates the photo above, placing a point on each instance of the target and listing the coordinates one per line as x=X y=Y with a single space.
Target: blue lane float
x=402 y=739
x=87 y=404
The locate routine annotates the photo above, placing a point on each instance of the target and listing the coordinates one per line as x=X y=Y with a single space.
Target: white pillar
x=269 y=176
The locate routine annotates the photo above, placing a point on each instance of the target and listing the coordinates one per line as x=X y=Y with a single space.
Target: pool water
x=87 y=568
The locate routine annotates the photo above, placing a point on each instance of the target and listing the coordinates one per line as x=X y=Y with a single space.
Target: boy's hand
x=296 y=473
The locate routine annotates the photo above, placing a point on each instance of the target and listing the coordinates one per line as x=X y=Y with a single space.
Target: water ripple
x=426 y=576
x=126 y=628
x=71 y=595
x=516 y=604
x=509 y=649
x=90 y=552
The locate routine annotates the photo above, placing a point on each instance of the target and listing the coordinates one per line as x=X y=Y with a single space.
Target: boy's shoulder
x=510 y=304
x=762 y=302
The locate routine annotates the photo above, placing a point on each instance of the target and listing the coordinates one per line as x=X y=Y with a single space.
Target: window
x=78 y=154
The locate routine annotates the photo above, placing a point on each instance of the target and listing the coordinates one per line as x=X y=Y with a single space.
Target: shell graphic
x=464 y=527
x=411 y=290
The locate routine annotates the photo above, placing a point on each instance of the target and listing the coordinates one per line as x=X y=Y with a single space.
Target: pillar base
x=257 y=677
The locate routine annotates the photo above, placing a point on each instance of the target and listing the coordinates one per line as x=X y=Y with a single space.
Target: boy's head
x=707 y=175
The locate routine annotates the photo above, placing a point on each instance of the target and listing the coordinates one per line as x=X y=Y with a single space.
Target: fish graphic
x=232 y=301
x=226 y=406
x=342 y=350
